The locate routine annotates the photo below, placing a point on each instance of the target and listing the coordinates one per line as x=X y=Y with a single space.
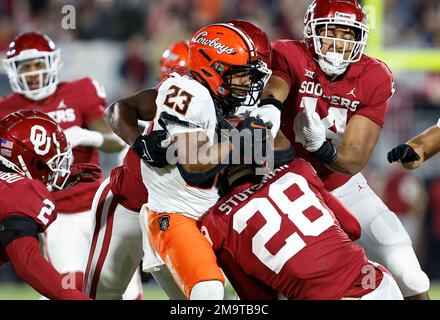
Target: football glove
x=149 y=148
x=82 y=172
x=403 y=153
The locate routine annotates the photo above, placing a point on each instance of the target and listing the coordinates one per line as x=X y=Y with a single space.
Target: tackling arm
x=358 y=142
x=276 y=88
x=24 y=254
x=110 y=142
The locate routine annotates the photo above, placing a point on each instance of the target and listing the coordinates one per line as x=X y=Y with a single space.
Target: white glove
x=77 y=136
x=270 y=115
x=313 y=130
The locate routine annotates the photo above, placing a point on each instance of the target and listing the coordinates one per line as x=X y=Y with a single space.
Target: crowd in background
x=119 y=42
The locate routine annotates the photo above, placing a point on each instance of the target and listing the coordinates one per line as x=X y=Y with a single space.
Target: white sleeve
x=438 y=123
x=198 y=115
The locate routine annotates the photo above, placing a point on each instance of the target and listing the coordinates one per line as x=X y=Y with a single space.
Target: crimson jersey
x=25 y=197
x=75 y=103
x=363 y=90
x=282 y=233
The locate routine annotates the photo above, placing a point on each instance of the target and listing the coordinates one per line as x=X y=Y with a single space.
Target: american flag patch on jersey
x=7 y=144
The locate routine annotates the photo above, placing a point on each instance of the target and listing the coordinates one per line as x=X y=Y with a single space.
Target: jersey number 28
x=293 y=209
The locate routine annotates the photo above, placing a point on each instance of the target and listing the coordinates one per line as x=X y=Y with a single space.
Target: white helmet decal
x=39 y=139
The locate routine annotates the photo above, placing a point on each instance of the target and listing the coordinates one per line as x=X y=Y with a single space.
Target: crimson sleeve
x=24 y=254
x=280 y=63
x=378 y=86
x=347 y=221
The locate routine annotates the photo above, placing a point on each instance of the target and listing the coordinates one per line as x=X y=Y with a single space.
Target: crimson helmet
x=259 y=37
x=217 y=52
x=34 y=145
x=348 y=13
x=175 y=55
x=27 y=47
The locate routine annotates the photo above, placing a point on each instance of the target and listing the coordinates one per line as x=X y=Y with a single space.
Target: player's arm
x=352 y=155
x=279 y=84
x=110 y=142
x=418 y=149
x=358 y=142
x=19 y=238
x=123 y=115
x=276 y=88
x=197 y=160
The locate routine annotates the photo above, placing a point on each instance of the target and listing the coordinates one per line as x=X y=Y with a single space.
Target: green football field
x=151 y=292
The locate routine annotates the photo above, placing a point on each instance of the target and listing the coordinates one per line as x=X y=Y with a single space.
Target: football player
x=418 y=149
x=223 y=70
x=35 y=160
x=32 y=64
x=126 y=190
x=284 y=235
x=333 y=101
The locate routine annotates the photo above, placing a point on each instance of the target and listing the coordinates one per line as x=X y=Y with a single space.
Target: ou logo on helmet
x=40 y=140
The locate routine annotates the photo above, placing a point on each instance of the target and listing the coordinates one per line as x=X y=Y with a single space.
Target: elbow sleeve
x=17 y=227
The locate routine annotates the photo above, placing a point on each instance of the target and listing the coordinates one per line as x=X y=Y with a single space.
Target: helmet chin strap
x=332 y=64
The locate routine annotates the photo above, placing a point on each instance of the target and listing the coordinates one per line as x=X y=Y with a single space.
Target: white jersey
x=189 y=101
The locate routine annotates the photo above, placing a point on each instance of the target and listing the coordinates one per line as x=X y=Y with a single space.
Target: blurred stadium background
x=119 y=43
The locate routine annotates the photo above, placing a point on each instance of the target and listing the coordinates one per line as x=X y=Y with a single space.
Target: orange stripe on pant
x=184 y=249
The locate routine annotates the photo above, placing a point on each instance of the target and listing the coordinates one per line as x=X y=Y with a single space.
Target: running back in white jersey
x=188 y=101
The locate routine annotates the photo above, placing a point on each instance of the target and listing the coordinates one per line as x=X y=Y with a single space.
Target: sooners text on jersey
x=363 y=90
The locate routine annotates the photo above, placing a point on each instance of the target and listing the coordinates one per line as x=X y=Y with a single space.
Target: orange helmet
x=174 y=55
x=217 y=52
x=264 y=54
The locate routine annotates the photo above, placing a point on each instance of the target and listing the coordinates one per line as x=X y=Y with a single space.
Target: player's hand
x=253 y=138
x=313 y=131
x=270 y=114
x=403 y=153
x=149 y=148
x=82 y=172
x=77 y=136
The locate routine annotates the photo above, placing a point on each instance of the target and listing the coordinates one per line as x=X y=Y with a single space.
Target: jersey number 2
x=45 y=212
x=293 y=209
x=175 y=95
